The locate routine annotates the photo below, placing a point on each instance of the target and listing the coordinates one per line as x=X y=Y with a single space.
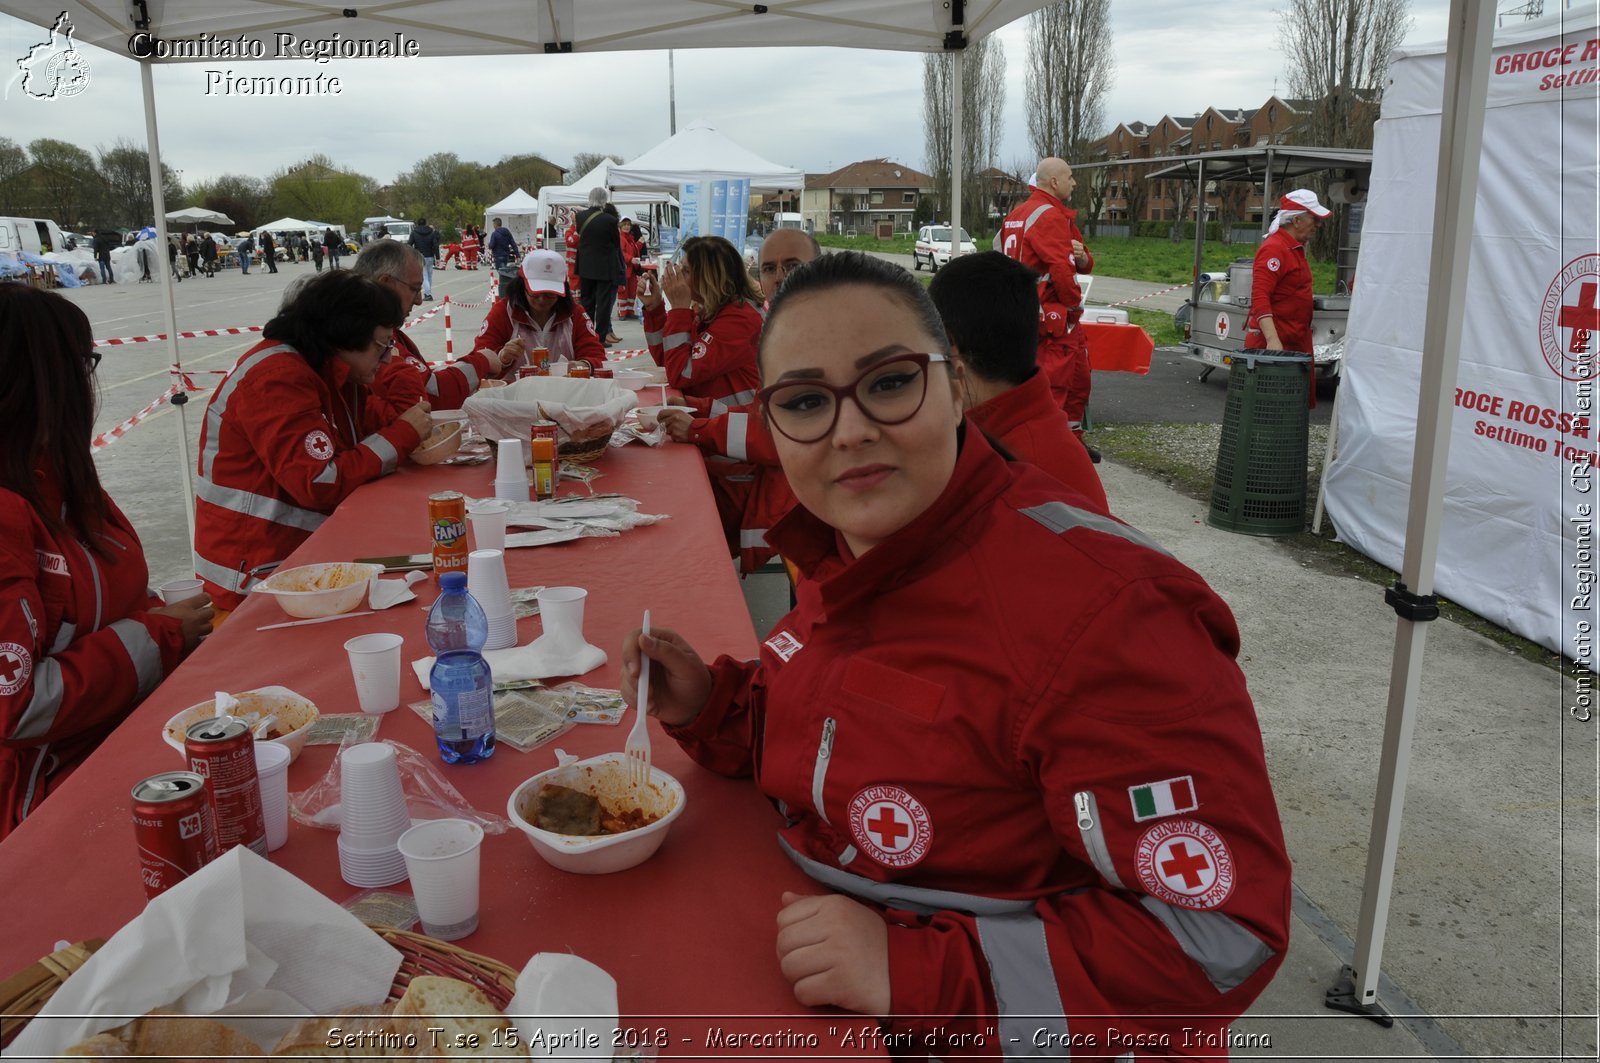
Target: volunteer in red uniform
x=292 y=430
x=471 y=244
x=406 y=378
x=82 y=639
x=1021 y=823
x=632 y=248
x=990 y=309
x=569 y=240
x=537 y=309
x=1042 y=233
x=1280 y=282
x=707 y=341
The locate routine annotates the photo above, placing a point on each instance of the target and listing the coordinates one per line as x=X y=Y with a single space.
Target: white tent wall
x=1514 y=505
x=520 y=213
x=555 y=201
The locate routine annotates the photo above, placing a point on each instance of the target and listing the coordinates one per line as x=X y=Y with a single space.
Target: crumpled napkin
x=238 y=926
x=539 y=659
x=565 y=1008
x=386 y=593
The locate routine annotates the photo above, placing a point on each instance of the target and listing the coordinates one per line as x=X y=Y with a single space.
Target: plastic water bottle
x=463 y=690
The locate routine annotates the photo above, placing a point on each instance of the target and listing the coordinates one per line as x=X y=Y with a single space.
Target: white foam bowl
x=295 y=716
x=632 y=379
x=319 y=590
x=606 y=777
x=650 y=416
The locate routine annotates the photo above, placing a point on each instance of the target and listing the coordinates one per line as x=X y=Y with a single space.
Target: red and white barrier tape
x=1151 y=295
x=182 y=335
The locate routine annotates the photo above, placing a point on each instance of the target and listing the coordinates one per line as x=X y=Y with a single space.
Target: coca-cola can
x=174 y=827
x=578 y=369
x=532 y=370
x=223 y=752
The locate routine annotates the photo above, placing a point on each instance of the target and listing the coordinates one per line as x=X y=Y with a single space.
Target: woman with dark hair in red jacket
x=82 y=639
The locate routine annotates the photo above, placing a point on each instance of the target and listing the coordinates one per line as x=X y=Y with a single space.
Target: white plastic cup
x=562 y=611
x=180 y=590
x=488 y=519
x=372 y=801
x=272 y=768
x=559 y=368
x=510 y=462
x=442 y=858
x=375 y=664
x=487 y=582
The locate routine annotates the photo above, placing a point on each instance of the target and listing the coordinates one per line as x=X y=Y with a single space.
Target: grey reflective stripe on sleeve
x=328 y=475
x=652 y=338
x=384 y=449
x=253 y=505
x=674 y=339
x=918 y=899
x=1060 y=517
x=1038 y=212
x=1226 y=951
x=144 y=651
x=64 y=635
x=1032 y=1020
x=219 y=404
x=466 y=371
x=738 y=428
x=432 y=387
x=40 y=714
x=229 y=578
x=751 y=538
x=730 y=402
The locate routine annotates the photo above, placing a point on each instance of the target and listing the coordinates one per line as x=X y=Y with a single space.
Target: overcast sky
x=816 y=109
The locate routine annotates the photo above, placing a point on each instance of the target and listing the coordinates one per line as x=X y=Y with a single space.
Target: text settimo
x=1521 y=420
x=1548 y=58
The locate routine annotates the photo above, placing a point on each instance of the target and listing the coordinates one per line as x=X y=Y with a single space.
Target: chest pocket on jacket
x=901 y=691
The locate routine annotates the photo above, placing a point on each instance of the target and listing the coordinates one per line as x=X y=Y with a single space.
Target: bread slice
x=100 y=1046
x=464 y=1022
x=362 y=1033
x=170 y=1034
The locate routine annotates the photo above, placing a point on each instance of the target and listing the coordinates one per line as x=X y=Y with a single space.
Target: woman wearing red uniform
x=538 y=310
x=471 y=244
x=707 y=341
x=1025 y=830
x=82 y=639
x=293 y=429
x=632 y=249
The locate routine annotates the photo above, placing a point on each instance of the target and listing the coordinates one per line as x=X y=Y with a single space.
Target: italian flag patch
x=1168 y=797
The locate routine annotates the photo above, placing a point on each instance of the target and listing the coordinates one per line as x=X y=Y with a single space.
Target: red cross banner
x=1522 y=494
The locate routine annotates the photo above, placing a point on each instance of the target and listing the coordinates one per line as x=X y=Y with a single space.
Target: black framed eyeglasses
x=889 y=392
x=94 y=358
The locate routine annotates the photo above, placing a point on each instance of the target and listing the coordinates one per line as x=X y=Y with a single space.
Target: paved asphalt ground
x=1491 y=943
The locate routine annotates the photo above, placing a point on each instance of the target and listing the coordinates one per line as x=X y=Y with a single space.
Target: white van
x=35 y=235
x=788 y=220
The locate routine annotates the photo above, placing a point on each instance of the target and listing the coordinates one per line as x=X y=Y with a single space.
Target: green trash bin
x=1260 y=482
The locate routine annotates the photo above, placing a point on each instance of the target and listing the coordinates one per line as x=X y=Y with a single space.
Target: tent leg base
x=1207 y=371
x=1342 y=997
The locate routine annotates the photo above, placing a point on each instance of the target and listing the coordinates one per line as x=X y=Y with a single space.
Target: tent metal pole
x=1466 y=86
x=1327 y=459
x=957 y=147
x=158 y=196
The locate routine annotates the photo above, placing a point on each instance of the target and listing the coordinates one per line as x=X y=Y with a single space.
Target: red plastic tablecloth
x=688 y=933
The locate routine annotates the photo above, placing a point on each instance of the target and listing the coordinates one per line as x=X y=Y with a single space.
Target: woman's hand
x=417 y=417
x=680 y=682
x=834 y=950
x=195 y=615
x=510 y=353
x=676 y=423
x=675 y=285
x=649 y=291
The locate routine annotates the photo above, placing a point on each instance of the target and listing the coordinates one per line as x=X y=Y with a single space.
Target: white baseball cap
x=1303 y=199
x=544 y=271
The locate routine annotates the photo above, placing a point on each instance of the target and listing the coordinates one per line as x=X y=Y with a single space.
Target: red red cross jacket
x=748 y=483
x=281 y=445
x=568 y=335
x=712 y=362
x=1039 y=234
x=1017 y=725
x=79 y=648
x=407 y=378
x=1029 y=422
x=1280 y=286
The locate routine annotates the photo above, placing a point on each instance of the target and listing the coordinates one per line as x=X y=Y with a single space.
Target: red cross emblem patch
x=890 y=825
x=318 y=445
x=1273 y=264
x=16 y=665
x=1569 y=319
x=1184 y=862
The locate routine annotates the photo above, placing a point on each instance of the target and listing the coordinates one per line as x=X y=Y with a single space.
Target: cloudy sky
x=816 y=109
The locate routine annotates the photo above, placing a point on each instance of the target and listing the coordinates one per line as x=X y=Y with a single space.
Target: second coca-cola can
x=532 y=370
x=223 y=752
x=578 y=369
x=551 y=431
x=174 y=827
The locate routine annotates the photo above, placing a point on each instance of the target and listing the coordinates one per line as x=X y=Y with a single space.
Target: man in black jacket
x=104 y=242
x=425 y=239
x=599 y=251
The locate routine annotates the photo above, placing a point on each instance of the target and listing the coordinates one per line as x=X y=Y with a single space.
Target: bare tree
x=125 y=168
x=65 y=181
x=1069 y=71
x=584 y=161
x=982 y=113
x=1338 y=53
x=13 y=168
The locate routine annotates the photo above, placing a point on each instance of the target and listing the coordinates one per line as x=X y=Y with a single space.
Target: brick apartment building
x=863 y=196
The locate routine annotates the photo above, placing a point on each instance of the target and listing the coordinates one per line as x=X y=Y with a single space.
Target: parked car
x=933 y=246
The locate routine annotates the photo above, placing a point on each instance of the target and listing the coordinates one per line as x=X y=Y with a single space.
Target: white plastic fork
x=638 y=744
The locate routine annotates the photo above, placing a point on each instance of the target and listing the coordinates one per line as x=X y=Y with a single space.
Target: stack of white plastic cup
x=510 y=472
x=488 y=519
x=489 y=587
x=272 y=769
x=372 y=816
x=442 y=859
x=561 y=608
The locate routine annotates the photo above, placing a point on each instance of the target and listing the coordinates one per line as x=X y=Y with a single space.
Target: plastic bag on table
x=581 y=408
x=428 y=794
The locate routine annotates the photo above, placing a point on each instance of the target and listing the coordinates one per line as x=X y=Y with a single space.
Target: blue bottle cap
x=453 y=581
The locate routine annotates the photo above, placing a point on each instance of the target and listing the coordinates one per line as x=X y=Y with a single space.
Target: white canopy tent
x=478 y=27
x=199 y=216
x=635 y=202
x=520 y=213
x=697 y=152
